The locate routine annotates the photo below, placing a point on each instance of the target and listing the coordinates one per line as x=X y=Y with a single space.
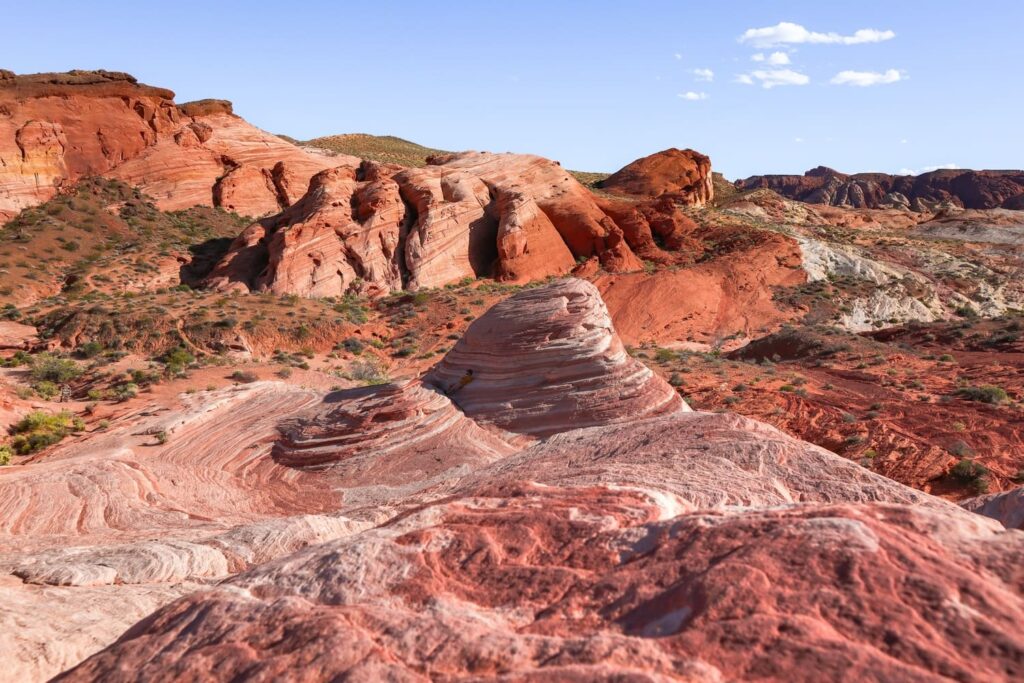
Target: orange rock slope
x=58 y=128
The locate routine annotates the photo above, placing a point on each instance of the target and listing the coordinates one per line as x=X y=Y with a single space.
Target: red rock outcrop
x=1007 y=507
x=522 y=582
x=381 y=228
x=709 y=301
x=965 y=188
x=547 y=360
x=58 y=128
x=681 y=174
x=389 y=435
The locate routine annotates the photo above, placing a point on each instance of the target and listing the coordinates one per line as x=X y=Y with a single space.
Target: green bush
x=46 y=390
x=5 y=455
x=971 y=473
x=39 y=429
x=47 y=367
x=123 y=392
x=984 y=394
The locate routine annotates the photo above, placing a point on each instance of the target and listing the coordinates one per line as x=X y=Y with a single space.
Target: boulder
x=682 y=174
x=547 y=360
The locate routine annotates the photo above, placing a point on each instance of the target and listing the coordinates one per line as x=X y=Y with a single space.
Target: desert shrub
x=244 y=376
x=90 y=349
x=5 y=455
x=984 y=394
x=46 y=389
x=40 y=429
x=47 y=367
x=284 y=373
x=353 y=345
x=788 y=388
x=176 y=360
x=971 y=473
x=664 y=355
x=369 y=371
x=676 y=380
x=123 y=392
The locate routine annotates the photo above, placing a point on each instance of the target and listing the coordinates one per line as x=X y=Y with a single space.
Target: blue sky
x=592 y=84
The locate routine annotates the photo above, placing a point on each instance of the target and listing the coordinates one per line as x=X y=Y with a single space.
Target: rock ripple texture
x=547 y=360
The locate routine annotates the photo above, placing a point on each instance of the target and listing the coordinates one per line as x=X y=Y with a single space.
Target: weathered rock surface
x=547 y=360
x=522 y=582
x=58 y=128
x=381 y=228
x=1007 y=507
x=389 y=435
x=682 y=174
x=965 y=188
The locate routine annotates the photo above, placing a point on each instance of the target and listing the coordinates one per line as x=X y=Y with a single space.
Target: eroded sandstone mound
x=380 y=228
x=682 y=174
x=547 y=360
x=58 y=128
x=965 y=188
x=522 y=582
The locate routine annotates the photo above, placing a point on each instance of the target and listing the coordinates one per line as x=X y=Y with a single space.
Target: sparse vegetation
x=39 y=429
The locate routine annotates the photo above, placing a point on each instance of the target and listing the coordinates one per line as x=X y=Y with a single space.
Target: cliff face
x=964 y=188
x=58 y=128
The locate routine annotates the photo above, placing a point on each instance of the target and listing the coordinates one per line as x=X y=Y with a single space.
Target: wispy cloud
x=770 y=78
x=788 y=33
x=693 y=96
x=706 y=75
x=678 y=56
x=863 y=79
x=925 y=169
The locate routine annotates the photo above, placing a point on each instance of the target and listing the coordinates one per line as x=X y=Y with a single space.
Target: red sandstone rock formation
x=547 y=360
x=521 y=582
x=682 y=174
x=655 y=543
x=965 y=188
x=381 y=228
x=58 y=128
x=1007 y=507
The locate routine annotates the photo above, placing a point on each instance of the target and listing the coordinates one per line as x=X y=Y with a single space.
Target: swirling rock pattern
x=547 y=360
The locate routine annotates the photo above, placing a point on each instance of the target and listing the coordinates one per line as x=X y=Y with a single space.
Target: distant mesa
x=926 y=192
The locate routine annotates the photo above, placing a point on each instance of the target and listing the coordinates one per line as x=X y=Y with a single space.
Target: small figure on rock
x=458 y=386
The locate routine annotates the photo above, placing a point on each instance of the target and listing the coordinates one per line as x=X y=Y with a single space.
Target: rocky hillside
x=58 y=128
x=962 y=188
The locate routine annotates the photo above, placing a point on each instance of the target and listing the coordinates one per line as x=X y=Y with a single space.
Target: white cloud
x=863 y=79
x=706 y=75
x=778 y=59
x=798 y=139
x=786 y=33
x=678 y=56
x=693 y=96
x=757 y=57
x=926 y=169
x=904 y=141
x=773 y=77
